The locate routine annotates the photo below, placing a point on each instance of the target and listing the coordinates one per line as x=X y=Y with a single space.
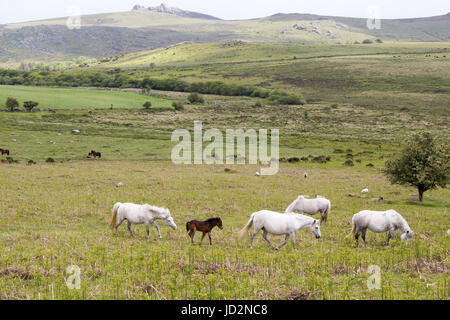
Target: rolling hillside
x=112 y=34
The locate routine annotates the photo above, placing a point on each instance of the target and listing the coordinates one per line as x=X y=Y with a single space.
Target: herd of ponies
x=270 y=222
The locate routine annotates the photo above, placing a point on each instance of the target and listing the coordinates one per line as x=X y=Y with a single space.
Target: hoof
x=276 y=249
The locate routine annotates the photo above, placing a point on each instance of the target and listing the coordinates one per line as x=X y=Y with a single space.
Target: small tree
x=12 y=104
x=178 y=105
x=423 y=163
x=29 y=105
x=147 y=105
x=195 y=98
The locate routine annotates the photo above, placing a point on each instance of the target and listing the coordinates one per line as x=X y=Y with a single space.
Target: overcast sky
x=26 y=10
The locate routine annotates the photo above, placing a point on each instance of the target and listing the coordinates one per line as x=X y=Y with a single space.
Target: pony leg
x=284 y=243
x=391 y=234
x=116 y=227
x=357 y=233
x=293 y=239
x=255 y=232
x=148 y=231
x=192 y=234
x=363 y=236
x=265 y=238
x=203 y=235
x=210 y=241
x=129 y=229
x=157 y=229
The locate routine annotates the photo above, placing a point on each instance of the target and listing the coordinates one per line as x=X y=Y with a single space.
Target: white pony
x=380 y=221
x=277 y=223
x=311 y=206
x=140 y=214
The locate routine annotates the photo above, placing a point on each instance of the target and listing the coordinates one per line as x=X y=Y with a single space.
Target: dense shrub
x=281 y=97
x=12 y=104
x=29 y=105
x=349 y=163
x=195 y=98
x=320 y=159
x=178 y=105
x=147 y=105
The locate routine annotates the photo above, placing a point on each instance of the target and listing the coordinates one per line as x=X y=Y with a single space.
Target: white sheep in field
x=365 y=190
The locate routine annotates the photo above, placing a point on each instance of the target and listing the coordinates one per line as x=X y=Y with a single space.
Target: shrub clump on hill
x=195 y=98
x=349 y=163
x=178 y=105
x=281 y=97
x=147 y=105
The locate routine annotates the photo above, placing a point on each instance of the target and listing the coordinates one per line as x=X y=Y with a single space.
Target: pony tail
x=244 y=230
x=353 y=230
x=114 y=217
x=187 y=226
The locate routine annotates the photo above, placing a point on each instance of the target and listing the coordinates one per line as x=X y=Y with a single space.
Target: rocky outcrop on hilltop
x=138 y=7
x=234 y=43
x=164 y=8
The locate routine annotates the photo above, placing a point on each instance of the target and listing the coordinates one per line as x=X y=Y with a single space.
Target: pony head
x=169 y=220
x=219 y=223
x=171 y=223
x=407 y=235
x=315 y=228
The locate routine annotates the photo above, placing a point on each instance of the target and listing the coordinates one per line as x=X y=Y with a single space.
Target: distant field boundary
x=298 y=58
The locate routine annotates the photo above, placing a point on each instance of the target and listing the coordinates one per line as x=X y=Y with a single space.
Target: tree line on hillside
x=113 y=79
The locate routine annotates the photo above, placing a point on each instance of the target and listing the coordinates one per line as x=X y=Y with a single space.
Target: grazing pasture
x=41 y=235
x=74 y=98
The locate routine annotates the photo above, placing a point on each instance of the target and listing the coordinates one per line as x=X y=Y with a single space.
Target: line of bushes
x=119 y=80
x=12 y=104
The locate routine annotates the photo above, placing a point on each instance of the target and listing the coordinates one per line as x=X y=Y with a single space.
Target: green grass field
x=56 y=215
x=42 y=235
x=62 y=98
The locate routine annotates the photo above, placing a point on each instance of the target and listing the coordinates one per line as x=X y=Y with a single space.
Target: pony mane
x=162 y=212
x=291 y=206
x=212 y=219
x=404 y=226
x=304 y=217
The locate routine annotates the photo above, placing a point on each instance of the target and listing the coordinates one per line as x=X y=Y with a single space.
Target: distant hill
x=112 y=34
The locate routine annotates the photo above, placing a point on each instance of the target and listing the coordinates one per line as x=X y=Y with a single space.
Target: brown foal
x=203 y=226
